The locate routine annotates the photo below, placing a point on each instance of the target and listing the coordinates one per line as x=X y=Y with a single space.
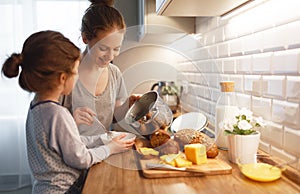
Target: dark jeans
x=77 y=186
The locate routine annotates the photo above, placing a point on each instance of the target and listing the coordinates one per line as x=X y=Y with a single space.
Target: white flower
x=244 y=125
x=228 y=124
x=260 y=121
x=246 y=112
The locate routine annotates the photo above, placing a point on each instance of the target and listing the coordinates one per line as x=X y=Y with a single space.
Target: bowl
x=191 y=120
x=107 y=138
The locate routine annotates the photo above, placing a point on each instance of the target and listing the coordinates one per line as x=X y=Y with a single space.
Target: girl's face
x=105 y=47
x=71 y=80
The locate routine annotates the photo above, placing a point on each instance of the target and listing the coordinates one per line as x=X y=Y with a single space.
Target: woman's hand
x=84 y=115
x=118 y=144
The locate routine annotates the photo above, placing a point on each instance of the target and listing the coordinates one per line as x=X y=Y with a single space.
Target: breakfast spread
x=190 y=154
x=187 y=148
x=190 y=136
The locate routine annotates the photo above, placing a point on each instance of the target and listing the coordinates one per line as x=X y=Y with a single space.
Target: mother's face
x=103 y=48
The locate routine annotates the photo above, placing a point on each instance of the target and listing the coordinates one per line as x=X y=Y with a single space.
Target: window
x=19 y=19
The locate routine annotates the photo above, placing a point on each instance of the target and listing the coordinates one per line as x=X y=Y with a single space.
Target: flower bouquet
x=243 y=124
x=243 y=136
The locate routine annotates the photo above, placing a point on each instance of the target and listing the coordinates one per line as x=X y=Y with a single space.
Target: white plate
x=105 y=139
x=191 y=120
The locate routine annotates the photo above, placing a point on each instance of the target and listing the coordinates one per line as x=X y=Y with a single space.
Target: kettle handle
x=153 y=86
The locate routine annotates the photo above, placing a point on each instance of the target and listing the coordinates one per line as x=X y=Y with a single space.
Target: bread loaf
x=170 y=147
x=162 y=142
x=190 y=136
x=159 y=137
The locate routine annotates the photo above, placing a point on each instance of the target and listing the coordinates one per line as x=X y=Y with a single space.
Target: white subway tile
x=218 y=66
x=229 y=31
x=229 y=65
x=286 y=113
x=275 y=38
x=238 y=82
x=204 y=39
x=203 y=105
x=205 y=66
x=225 y=77
x=293 y=88
x=186 y=107
x=253 y=43
x=215 y=94
x=261 y=63
x=213 y=22
x=291 y=140
x=186 y=67
x=253 y=84
x=223 y=49
x=194 y=54
x=197 y=54
x=212 y=52
x=244 y=64
x=186 y=43
x=261 y=107
x=201 y=79
x=280 y=153
x=286 y=62
x=210 y=38
x=244 y=100
x=213 y=80
x=187 y=76
x=275 y=86
x=218 y=33
x=201 y=91
x=283 y=12
x=235 y=47
x=293 y=31
x=273 y=134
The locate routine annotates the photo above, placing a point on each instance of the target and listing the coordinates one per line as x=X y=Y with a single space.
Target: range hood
x=157 y=29
x=196 y=8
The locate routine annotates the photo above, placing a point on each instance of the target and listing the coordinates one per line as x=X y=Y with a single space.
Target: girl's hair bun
x=103 y=2
x=11 y=66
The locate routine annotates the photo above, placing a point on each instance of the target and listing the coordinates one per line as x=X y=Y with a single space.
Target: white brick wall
x=260 y=52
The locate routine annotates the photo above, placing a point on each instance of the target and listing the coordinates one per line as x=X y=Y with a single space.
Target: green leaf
x=244 y=117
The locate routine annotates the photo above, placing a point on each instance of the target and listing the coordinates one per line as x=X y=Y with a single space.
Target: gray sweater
x=103 y=104
x=56 y=153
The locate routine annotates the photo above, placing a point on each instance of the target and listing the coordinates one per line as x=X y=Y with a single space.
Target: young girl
x=100 y=90
x=57 y=157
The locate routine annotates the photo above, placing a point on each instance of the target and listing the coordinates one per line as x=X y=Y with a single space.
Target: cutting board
x=216 y=166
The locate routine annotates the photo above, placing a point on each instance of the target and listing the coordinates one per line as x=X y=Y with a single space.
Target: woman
x=57 y=157
x=100 y=90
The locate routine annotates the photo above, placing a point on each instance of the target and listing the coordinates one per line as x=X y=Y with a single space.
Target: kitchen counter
x=120 y=174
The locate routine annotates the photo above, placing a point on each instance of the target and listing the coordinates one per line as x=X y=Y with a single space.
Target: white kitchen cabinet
x=156 y=28
x=196 y=8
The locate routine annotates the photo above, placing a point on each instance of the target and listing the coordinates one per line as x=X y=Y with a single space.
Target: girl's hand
x=118 y=144
x=84 y=115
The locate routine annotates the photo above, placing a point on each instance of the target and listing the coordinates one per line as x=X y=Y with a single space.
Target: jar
x=226 y=109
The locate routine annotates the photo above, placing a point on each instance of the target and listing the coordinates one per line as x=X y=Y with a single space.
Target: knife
x=156 y=166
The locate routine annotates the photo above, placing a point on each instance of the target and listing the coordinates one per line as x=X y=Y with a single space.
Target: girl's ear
x=62 y=78
x=84 y=38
